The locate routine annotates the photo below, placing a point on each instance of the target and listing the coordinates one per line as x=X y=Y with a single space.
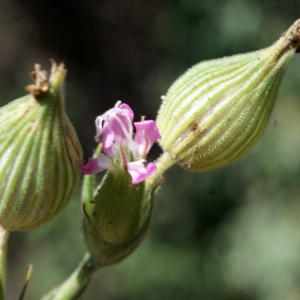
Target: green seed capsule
x=40 y=154
x=218 y=109
x=117 y=216
x=117 y=208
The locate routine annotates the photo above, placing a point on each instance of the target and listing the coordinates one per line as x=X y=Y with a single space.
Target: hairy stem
x=3 y=250
x=76 y=284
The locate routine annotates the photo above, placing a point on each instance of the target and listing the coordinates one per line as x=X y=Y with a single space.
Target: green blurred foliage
x=226 y=234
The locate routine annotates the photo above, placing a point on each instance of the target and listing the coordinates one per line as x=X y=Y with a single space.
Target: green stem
x=164 y=162
x=76 y=284
x=3 y=250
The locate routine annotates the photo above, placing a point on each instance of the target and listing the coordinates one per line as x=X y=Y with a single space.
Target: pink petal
x=107 y=140
x=146 y=133
x=115 y=126
x=99 y=164
x=91 y=167
x=117 y=120
x=139 y=172
x=151 y=169
x=127 y=107
x=120 y=122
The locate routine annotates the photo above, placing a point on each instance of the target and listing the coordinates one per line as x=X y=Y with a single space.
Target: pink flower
x=121 y=147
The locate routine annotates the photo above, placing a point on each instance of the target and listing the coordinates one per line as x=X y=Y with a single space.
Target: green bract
x=219 y=108
x=40 y=155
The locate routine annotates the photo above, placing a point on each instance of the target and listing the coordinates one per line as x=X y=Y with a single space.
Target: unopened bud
x=219 y=108
x=40 y=155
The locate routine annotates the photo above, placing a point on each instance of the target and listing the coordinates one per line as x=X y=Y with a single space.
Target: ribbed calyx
x=219 y=108
x=117 y=216
x=40 y=155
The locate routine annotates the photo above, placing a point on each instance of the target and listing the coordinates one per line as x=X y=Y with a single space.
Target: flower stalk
x=76 y=284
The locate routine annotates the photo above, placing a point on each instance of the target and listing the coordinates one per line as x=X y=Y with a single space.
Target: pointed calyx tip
x=292 y=36
x=43 y=82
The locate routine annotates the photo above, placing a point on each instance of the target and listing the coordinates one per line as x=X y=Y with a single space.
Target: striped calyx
x=117 y=216
x=218 y=109
x=40 y=155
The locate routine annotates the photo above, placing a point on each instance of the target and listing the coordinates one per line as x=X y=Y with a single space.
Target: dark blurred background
x=229 y=234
